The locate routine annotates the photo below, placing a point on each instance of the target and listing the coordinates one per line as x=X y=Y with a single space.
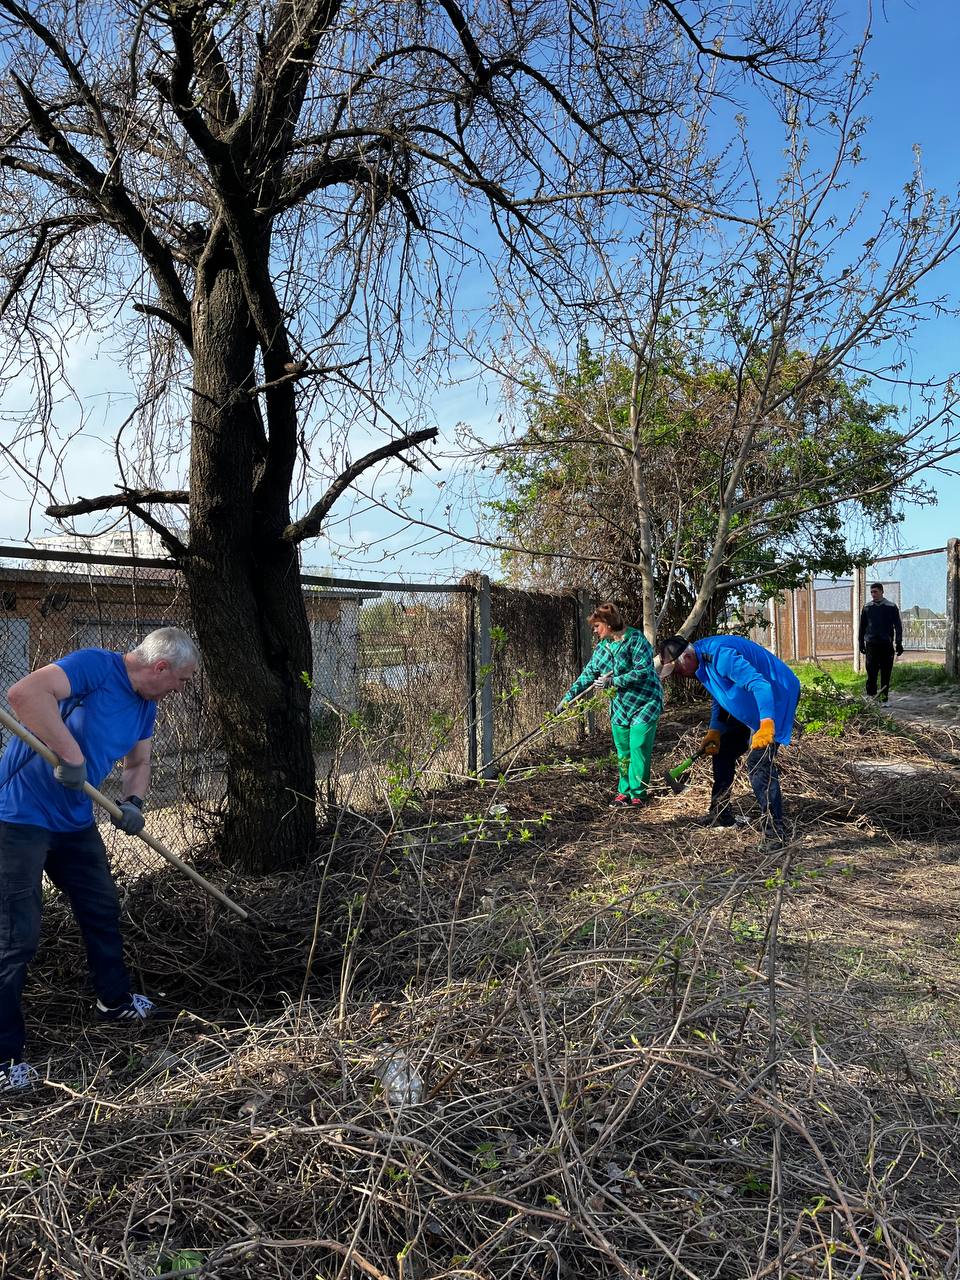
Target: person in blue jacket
x=91 y=708
x=754 y=702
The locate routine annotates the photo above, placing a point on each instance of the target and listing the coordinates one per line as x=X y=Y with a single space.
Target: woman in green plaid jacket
x=623 y=662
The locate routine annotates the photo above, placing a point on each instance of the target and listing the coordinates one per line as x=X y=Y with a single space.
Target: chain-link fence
x=539 y=648
x=411 y=685
x=917 y=583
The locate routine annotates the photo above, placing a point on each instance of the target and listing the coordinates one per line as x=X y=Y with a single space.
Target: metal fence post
x=951 y=657
x=855 y=606
x=470 y=675
x=774 y=629
x=486 y=672
x=585 y=605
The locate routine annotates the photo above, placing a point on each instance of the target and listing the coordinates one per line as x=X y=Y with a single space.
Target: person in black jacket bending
x=880 y=630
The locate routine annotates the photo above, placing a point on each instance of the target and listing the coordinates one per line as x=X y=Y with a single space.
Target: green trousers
x=634 y=744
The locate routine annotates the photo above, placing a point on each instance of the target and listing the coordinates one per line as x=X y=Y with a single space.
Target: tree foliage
x=567 y=484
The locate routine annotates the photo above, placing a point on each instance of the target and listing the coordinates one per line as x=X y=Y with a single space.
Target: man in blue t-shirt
x=91 y=708
x=754 y=701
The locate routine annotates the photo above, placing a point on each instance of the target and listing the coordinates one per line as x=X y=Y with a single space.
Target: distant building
x=145 y=544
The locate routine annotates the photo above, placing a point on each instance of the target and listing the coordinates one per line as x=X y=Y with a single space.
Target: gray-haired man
x=92 y=708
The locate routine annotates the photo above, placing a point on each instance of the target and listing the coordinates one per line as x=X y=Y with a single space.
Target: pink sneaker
x=619 y=800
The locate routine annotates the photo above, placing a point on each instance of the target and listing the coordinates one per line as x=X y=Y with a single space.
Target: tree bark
x=244 y=584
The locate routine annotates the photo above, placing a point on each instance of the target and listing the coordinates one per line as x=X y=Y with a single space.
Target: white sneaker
x=17 y=1076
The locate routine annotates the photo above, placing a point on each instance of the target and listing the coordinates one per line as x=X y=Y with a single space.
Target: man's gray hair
x=169 y=643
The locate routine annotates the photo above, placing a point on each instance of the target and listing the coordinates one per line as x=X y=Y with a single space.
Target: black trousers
x=761 y=769
x=879 y=663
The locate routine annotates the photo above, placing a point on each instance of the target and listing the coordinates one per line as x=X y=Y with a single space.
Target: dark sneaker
x=716 y=820
x=619 y=800
x=135 y=1008
x=17 y=1076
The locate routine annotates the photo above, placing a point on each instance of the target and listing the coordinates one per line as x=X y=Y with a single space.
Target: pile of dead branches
x=484 y=1053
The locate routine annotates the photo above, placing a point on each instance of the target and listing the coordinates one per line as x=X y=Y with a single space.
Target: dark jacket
x=880 y=620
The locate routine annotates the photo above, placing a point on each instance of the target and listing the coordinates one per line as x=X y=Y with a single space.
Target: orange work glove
x=711 y=742
x=764 y=735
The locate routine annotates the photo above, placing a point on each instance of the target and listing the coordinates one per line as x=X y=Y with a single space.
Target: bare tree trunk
x=648 y=586
x=245 y=588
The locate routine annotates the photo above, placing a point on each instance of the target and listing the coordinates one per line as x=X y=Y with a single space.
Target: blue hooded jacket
x=748 y=682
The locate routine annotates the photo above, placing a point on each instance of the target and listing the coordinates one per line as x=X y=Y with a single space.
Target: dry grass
x=646 y=1050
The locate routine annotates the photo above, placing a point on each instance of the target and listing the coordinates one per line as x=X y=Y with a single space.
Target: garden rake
x=104 y=802
x=541 y=728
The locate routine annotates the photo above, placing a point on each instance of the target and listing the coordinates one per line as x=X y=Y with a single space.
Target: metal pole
x=795 y=629
x=470 y=676
x=855 y=620
x=951 y=658
x=812 y=603
x=99 y=798
x=485 y=674
x=585 y=606
x=774 y=631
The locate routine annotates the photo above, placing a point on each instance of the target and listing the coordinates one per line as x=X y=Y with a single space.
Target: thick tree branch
x=125 y=498
x=312 y=522
x=90 y=100
x=178 y=550
x=132 y=500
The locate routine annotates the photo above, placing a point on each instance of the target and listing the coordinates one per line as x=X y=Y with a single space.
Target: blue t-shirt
x=749 y=683
x=107 y=717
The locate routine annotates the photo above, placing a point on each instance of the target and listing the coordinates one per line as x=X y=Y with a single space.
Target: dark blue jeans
x=761 y=766
x=76 y=862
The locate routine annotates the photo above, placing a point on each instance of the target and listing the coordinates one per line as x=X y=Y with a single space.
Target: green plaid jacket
x=638 y=691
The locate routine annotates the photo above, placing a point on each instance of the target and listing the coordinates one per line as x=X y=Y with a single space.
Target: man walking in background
x=880 y=635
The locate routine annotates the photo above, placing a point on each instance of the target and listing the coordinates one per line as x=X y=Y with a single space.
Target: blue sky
x=913 y=52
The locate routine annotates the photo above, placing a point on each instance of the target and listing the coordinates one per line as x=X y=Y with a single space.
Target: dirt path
x=940 y=707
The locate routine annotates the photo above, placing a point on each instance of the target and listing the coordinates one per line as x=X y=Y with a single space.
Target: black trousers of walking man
x=879 y=663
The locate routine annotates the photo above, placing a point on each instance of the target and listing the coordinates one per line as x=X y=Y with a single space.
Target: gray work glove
x=131 y=820
x=604 y=681
x=71 y=776
x=560 y=707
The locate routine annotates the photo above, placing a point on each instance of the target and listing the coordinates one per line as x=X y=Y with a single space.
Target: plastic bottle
x=401 y=1083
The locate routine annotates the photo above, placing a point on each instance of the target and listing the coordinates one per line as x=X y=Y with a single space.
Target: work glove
x=711 y=742
x=560 y=707
x=131 y=820
x=764 y=735
x=71 y=776
x=604 y=681
x=899 y=650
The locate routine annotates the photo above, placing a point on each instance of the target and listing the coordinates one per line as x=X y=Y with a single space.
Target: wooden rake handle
x=105 y=802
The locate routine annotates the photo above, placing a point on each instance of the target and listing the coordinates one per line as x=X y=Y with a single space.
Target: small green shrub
x=827 y=707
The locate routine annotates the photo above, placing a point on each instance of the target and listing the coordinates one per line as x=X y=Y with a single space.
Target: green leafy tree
x=830 y=457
